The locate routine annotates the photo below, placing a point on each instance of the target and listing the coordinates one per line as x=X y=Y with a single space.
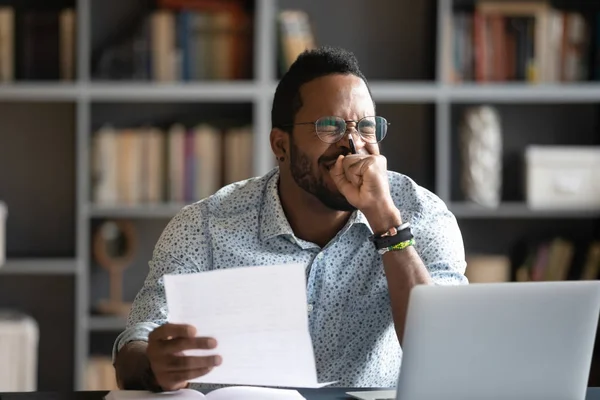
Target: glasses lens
x=373 y=129
x=330 y=129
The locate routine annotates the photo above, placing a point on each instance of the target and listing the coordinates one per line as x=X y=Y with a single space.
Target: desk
x=309 y=394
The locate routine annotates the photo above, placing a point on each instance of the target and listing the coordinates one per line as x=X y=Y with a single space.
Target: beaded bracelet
x=398 y=247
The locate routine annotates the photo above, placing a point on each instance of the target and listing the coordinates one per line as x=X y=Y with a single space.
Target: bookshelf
x=410 y=85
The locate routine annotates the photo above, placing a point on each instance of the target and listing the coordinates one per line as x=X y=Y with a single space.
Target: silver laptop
x=526 y=341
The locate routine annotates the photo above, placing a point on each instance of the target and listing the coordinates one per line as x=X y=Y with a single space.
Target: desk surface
x=310 y=394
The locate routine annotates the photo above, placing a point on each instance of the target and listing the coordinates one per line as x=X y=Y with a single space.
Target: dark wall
x=37 y=178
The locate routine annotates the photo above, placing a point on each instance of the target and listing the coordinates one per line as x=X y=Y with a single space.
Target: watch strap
x=403 y=234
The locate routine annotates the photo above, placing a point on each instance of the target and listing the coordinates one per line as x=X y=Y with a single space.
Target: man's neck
x=310 y=219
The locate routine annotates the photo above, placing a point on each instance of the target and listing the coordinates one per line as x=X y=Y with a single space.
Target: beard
x=313 y=182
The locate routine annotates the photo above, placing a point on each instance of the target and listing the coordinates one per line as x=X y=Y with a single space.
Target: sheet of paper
x=258 y=315
x=374 y=395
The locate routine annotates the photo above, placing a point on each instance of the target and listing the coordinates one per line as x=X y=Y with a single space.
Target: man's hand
x=171 y=368
x=362 y=179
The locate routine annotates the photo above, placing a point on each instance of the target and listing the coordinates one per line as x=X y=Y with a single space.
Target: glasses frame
x=314 y=123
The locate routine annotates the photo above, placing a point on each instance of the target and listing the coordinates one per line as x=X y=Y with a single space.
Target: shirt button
x=320 y=256
x=310 y=307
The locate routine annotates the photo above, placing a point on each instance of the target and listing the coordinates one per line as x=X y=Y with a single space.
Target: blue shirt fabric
x=349 y=312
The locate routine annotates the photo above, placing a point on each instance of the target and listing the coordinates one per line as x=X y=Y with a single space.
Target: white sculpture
x=481 y=152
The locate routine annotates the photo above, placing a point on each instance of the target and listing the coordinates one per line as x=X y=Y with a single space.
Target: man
x=322 y=206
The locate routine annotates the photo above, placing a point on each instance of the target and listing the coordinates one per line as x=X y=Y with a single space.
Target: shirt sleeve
x=183 y=247
x=439 y=242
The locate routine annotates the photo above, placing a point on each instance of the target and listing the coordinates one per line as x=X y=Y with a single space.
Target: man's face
x=344 y=96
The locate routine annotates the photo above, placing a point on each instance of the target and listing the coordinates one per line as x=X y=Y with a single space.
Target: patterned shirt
x=350 y=319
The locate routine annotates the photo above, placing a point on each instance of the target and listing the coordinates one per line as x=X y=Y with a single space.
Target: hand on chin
x=362 y=179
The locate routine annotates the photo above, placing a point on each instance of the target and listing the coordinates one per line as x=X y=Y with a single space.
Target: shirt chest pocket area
x=366 y=317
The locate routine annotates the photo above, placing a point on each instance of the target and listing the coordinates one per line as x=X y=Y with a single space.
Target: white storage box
x=19 y=338
x=563 y=177
x=3 y=214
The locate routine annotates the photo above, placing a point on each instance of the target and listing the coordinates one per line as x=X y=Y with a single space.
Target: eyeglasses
x=331 y=129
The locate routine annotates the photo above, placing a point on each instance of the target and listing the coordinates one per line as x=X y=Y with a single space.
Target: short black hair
x=310 y=65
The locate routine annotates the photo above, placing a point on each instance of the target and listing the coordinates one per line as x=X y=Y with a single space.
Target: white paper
x=258 y=315
x=374 y=395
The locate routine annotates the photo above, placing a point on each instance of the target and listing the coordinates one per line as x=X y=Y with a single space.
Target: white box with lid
x=3 y=214
x=562 y=177
x=19 y=344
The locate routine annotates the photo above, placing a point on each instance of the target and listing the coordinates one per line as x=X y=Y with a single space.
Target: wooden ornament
x=114 y=247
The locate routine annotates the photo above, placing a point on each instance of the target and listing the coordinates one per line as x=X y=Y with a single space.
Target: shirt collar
x=359 y=218
x=273 y=221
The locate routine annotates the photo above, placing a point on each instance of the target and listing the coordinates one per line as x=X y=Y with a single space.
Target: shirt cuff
x=136 y=332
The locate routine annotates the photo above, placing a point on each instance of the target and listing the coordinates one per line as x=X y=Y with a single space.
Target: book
x=227 y=393
x=373 y=395
x=500 y=41
x=151 y=165
x=7 y=43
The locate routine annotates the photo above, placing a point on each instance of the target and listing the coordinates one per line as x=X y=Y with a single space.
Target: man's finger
x=353 y=160
x=338 y=175
x=185 y=363
x=354 y=170
x=358 y=166
x=170 y=331
x=184 y=376
x=185 y=343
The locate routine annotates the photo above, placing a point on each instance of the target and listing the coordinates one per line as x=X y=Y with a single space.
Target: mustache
x=332 y=157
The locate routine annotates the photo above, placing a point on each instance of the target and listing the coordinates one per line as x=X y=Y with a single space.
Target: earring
x=282 y=159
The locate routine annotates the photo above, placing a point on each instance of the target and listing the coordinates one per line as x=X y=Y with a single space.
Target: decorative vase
x=481 y=154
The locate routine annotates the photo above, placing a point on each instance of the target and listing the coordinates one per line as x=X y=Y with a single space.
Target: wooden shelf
x=167 y=210
x=517 y=210
x=39 y=266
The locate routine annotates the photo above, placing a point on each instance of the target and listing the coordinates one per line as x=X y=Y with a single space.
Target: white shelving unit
x=258 y=92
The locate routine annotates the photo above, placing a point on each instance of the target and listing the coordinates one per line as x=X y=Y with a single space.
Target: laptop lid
x=526 y=340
